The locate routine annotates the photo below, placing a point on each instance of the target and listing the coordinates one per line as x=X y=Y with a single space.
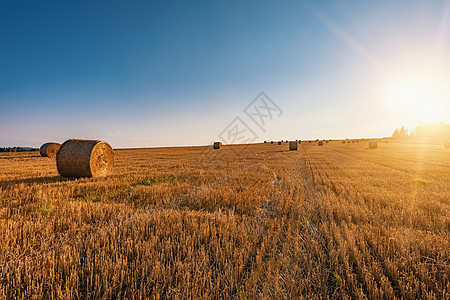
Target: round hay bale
x=85 y=158
x=271 y=142
x=49 y=149
x=320 y=143
x=217 y=145
x=293 y=145
x=299 y=141
x=447 y=145
x=373 y=144
x=279 y=143
x=265 y=142
x=343 y=142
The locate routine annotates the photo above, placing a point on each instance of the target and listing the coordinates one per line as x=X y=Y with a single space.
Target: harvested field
x=249 y=221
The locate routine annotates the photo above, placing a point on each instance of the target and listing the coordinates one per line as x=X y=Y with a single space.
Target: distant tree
x=425 y=130
x=402 y=133
x=395 y=134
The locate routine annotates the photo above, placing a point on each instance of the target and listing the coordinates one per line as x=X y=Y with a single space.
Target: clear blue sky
x=142 y=73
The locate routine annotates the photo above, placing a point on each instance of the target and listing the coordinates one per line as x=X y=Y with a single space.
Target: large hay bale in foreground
x=447 y=145
x=373 y=144
x=217 y=145
x=49 y=149
x=85 y=158
x=320 y=143
x=293 y=145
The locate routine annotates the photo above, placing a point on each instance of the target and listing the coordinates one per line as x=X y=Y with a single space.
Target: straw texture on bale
x=85 y=158
x=293 y=145
x=373 y=144
x=320 y=143
x=49 y=149
x=447 y=145
x=217 y=145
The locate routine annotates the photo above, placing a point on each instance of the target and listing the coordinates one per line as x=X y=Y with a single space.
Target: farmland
x=246 y=222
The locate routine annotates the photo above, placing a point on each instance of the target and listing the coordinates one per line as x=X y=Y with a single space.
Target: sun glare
x=419 y=99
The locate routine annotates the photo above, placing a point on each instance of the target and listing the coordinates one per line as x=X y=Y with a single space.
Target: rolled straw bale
x=299 y=141
x=217 y=145
x=447 y=145
x=49 y=149
x=271 y=142
x=373 y=144
x=279 y=143
x=85 y=158
x=343 y=142
x=319 y=143
x=353 y=141
x=293 y=145
x=309 y=142
x=327 y=141
x=265 y=142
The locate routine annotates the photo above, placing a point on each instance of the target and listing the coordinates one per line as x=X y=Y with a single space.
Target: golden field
x=243 y=222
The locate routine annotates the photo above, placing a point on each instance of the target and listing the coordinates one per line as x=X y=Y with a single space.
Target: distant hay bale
x=293 y=145
x=49 y=149
x=85 y=158
x=373 y=144
x=327 y=141
x=319 y=143
x=353 y=141
x=265 y=142
x=309 y=142
x=279 y=143
x=447 y=145
x=217 y=145
x=271 y=142
x=343 y=142
x=299 y=141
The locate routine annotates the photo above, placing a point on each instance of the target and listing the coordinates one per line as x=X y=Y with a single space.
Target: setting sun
x=419 y=98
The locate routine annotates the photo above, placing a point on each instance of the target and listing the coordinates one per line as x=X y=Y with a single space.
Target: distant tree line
x=424 y=130
x=16 y=149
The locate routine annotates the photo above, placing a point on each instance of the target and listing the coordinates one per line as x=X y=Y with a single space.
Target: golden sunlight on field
x=246 y=221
